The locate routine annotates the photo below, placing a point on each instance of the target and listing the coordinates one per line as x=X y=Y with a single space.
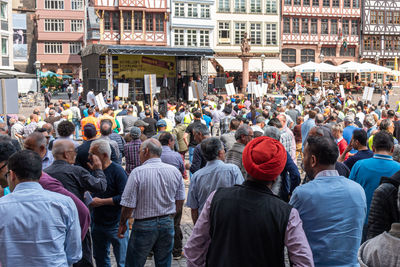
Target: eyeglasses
x=5 y=164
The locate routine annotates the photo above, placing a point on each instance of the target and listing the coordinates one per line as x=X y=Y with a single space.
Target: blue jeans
x=77 y=124
x=153 y=235
x=102 y=237
x=191 y=151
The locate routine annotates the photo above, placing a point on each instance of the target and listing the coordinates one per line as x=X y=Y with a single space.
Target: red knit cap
x=264 y=158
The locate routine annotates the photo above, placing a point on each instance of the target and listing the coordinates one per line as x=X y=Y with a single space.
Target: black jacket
x=384 y=211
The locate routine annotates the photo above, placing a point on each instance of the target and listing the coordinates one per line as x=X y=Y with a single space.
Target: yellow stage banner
x=136 y=66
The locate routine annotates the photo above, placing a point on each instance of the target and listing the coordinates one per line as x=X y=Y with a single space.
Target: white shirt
x=361 y=117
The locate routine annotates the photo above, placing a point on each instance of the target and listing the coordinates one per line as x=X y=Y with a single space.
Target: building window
x=53 y=48
x=289 y=55
x=367 y=43
x=107 y=24
x=53 y=4
x=76 y=25
x=115 y=21
x=396 y=18
x=127 y=21
x=388 y=43
x=389 y=17
x=255 y=6
x=223 y=6
x=270 y=31
x=240 y=6
x=324 y=26
x=396 y=43
x=350 y=52
x=326 y=3
x=77 y=4
x=179 y=37
x=159 y=18
x=373 y=16
x=381 y=17
x=53 y=25
x=345 y=27
x=192 y=10
x=204 y=38
x=205 y=11
x=306 y=2
x=270 y=6
x=255 y=33
x=334 y=26
x=347 y=3
x=297 y=2
x=288 y=2
x=354 y=27
x=138 y=20
x=240 y=29
x=328 y=51
x=296 y=25
x=376 y=43
x=304 y=26
x=286 y=25
x=315 y=2
x=314 y=26
x=179 y=9
x=75 y=47
x=149 y=22
x=191 y=37
x=335 y=3
x=4 y=46
x=224 y=32
x=356 y=3
x=307 y=55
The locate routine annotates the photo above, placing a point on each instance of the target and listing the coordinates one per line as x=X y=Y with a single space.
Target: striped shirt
x=152 y=189
x=131 y=151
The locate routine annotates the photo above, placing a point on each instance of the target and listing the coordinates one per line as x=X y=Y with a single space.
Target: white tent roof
x=375 y=68
x=211 y=69
x=270 y=65
x=324 y=67
x=351 y=66
x=309 y=67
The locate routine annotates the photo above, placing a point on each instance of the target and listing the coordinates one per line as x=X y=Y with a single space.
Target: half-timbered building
x=380 y=31
x=312 y=28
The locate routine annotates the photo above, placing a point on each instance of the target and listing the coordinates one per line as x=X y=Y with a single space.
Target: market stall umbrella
x=47 y=74
x=351 y=67
x=309 y=67
x=270 y=65
x=374 y=68
x=323 y=67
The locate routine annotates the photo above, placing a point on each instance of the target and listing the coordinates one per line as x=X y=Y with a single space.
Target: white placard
x=342 y=91
x=230 y=89
x=323 y=91
x=100 y=101
x=123 y=89
x=257 y=90
x=153 y=83
x=192 y=94
x=365 y=93
x=370 y=93
x=264 y=89
x=250 y=87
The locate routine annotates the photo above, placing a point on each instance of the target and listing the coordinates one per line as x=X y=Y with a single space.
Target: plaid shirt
x=131 y=151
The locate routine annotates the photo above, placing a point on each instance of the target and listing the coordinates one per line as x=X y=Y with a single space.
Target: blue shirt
x=47 y=160
x=363 y=154
x=348 y=132
x=332 y=209
x=368 y=173
x=214 y=175
x=207 y=119
x=38 y=228
x=173 y=158
x=305 y=128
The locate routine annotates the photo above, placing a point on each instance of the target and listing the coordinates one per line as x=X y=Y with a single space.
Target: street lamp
x=321 y=58
x=262 y=68
x=377 y=57
x=37 y=67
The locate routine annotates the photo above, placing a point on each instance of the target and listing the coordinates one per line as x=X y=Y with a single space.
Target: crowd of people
x=319 y=177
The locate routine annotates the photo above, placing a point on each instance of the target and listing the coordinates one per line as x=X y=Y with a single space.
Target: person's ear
x=313 y=161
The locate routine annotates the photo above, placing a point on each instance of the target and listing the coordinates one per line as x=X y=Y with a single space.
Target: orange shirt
x=91 y=119
x=106 y=116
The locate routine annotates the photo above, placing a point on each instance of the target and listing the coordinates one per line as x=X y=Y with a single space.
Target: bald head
x=22 y=118
x=64 y=150
x=36 y=142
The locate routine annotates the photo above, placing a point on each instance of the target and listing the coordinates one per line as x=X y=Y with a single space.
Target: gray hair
x=272 y=132
x=202 y=129
x=396 y=153
x=103 y=146
x=385 y=124
x=242 y=130
x=39 y=138
x=210 y=148
x=153 y=145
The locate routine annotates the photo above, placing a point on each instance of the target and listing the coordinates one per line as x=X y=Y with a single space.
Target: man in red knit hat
x=246 y=225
